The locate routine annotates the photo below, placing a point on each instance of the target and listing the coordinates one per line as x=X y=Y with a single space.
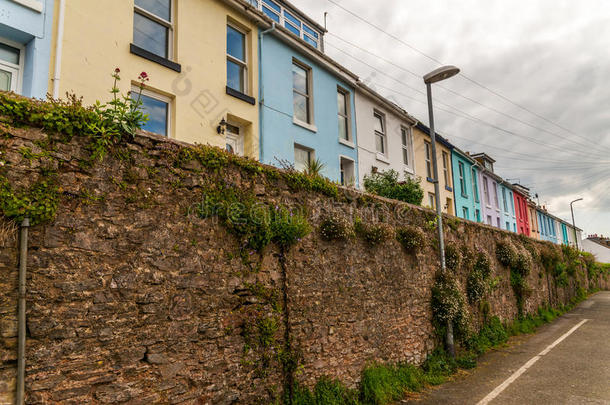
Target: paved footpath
x=565 y=362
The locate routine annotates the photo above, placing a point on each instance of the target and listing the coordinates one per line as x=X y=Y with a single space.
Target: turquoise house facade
x=465 y=186
x=307 y=109
x=507 y=206
x=564 y=234
x=548 y=227
x=26 y=28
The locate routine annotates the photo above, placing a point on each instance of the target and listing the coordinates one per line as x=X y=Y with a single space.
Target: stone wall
x=133 y=298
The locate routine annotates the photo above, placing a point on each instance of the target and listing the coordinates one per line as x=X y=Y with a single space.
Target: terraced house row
x=252 y=76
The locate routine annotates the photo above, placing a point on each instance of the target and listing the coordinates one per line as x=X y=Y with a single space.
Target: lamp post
x=442 y=73
x=573 y=222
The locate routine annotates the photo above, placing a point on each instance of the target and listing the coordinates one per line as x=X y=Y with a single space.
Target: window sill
x=347 y=143
x=382 y=158
x=430 y=180
x=136 y=50
x=449 y=189
x=309 y=127
x=241 y=96
x=464 y=195
x=408 y=169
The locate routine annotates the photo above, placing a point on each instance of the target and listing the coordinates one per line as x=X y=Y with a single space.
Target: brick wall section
x=131 y=300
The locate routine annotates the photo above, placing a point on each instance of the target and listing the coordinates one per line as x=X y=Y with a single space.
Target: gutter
x=261 y=86
x=58 y=47
x=23 y=257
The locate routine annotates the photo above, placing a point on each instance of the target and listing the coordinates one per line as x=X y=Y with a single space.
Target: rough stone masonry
x=131 y=298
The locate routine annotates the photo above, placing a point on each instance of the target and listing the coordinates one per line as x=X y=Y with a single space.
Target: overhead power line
x=438 y=62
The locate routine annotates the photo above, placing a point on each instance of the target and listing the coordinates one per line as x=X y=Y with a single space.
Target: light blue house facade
x=548 y=226
x=307 y=109
x=507 y=207
x=465 y=186
x=26 y=28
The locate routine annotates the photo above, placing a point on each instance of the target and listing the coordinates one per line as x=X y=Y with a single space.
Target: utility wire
x=473 y=81
x=587 y=146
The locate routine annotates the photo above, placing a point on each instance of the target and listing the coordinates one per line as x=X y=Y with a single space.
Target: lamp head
x=442 y=73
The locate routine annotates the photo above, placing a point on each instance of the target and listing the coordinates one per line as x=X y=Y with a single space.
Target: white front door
x=235 y=139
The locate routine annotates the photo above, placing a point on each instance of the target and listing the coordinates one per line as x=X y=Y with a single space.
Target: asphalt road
x=565 y=362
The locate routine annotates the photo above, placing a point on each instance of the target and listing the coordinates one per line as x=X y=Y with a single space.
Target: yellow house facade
x=201 y=57
x=424 y=169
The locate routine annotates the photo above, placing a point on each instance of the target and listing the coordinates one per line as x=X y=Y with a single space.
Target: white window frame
x=157 y=96
x=428 y=155
x=408 y=147
x=446 y=174
x=164 y=22
x=486 y=192
x=342 y=175
x=283 y=21
x=505 y=201
x=496 y=197
x=432 y=200
x=17 y=70
x=383 y=134
x=308 y=96
x=238 y=138
x=244 y=63
x=310 y=151
x=348 y=115
x=462 y=174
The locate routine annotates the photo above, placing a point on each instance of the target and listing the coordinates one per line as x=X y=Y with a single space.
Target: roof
x=398 y=110
x=521 y=189
x=303 y=16
x=465 y=155
x=438 y=137
x=484 y=156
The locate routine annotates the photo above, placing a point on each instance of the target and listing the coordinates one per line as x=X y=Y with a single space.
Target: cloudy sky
x=534 y=91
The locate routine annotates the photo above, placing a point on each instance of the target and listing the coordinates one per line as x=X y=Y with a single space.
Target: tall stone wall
x=133 y=298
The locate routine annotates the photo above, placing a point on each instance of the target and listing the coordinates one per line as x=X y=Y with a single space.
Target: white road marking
x=527 y=365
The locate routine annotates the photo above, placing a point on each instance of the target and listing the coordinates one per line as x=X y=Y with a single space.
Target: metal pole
x=23 y=257
x=439 y=212
x=574 y=223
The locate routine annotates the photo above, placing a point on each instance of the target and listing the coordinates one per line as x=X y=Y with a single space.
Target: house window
x=10 y=68
x=512 y=203
x=486 y=190
x=347 y=172
x=465 y=213
x=446 y=173
x=475 y=185
x=152 y=26
x=302 y=157
x=488 y=166
x=478 y=215
x=449 y=206
x=380 y=140
x=507 y=226
x=498 y=222
x=504 y=199
x=237 y=66
x=496 y=195
x=282 y=16
x=301 y=92
x=462 y=179
x=406 y=146
x=432 y=200
x=343 y=114
x=428 y=160
x=489 y=220
x=157 y=107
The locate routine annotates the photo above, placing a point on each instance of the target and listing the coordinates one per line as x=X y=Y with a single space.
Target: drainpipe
x=261 y=95
x=58 y=47
x=23 y=257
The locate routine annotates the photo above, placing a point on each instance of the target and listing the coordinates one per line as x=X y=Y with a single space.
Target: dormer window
x=288 y=20
x=489 y=166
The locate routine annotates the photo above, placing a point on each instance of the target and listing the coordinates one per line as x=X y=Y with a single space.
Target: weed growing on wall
x=336 y=227
x=449 y=304
x=505 y=252
x=386 y=184
x=38 y=202
x=372 y=234
x=411 y=238
x=452 y=257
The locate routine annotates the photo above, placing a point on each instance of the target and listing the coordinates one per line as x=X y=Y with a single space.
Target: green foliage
x=448 y=303
x=372 y=234
x=491 y=334
x=336 y=227
x=505 y=252
x=381 y=384
x=386 y=184
x=452 y=257
x=476 y=286
x=302 y=181
x=483 y=264
x=256 y=224
x=314 y=168
x=38 y=203
x=411 y=238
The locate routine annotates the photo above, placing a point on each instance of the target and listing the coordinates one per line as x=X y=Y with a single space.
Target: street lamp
x=442 y=73
x=573 y=222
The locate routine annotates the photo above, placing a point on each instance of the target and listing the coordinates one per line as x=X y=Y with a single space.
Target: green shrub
x=373 y=234
x=522 y=264
x=287 y=227
x=335 y=227
x=505 y=253
x=476 y=286
x=386 y=184
x=448 y=304
x=492 y=334
x=452 y=257
x=483 y=264
x=381 y=384
x=411 y=238
x=38 y=203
